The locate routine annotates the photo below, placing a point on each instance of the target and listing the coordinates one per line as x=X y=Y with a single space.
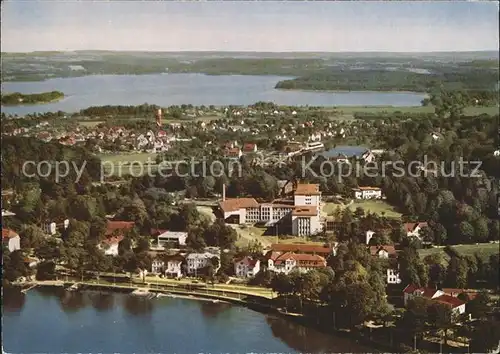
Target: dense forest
x=456 y=78
x=17 y=98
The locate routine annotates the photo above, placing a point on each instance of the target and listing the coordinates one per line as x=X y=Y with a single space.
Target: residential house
x=368 y=156
x=246 y=267
x=173 y=267
x=413 y=229
x=388 y=252
x=115 y=233
x=11 y=239
x=51 y=228
x=286 y=262
x=157 y=264
x=367 y=193
x=197 y=261
x=233 y=153
x=110 y=245
x=249 y=148
x=456 y=305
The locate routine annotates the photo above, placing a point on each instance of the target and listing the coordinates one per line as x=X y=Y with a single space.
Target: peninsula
x=17 y=98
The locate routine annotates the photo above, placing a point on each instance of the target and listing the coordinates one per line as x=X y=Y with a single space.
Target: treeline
x=21 y=156
x=18 y=98
x=457 y=78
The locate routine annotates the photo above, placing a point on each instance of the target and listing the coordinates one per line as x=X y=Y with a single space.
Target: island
x=17 y=98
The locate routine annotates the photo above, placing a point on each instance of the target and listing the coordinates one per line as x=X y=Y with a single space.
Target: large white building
x=303 y=214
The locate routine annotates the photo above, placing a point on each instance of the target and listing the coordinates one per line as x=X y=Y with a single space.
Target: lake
x=53 y=320
x=195 y=89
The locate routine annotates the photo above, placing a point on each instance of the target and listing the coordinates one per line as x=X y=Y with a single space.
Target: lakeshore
x=113 y=321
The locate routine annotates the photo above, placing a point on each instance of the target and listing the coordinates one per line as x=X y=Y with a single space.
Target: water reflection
x=102 y=301
x=309 y=340
x=72 y=301
x=210 y=309
x=137 y=305
x=13 y=300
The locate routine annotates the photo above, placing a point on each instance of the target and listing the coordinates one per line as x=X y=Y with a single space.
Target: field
x=373 y=206
x=90 y=123
x=348 y=112
x=248 y=234
x=485 y=250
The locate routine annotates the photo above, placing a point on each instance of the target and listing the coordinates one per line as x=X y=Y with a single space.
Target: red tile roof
x=425 y=292
x=368 y=188
x=307 y=189
x=8 y=233
x=235 y=204
x=374 y=250
x=449 y=300
x=248 y=147
x=409 y=227
x=249 y=261
x=113 y=226
x=113 y=240
x=298 y=248
x=302 y=259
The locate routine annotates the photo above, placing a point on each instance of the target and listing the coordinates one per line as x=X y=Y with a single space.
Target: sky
x=351 y=26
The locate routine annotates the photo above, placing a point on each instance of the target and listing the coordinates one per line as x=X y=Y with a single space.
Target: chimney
x=224 y=192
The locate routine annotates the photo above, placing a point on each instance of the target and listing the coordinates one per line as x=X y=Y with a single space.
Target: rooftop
x=235 y=204
x=307 y=189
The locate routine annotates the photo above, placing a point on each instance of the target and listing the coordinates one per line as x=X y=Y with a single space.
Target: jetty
x=24 y=291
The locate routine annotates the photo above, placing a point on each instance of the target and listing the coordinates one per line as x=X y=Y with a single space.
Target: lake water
x=48 y=320
x=195 y=89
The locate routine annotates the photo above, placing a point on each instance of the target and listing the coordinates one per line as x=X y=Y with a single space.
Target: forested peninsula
x=17 y=98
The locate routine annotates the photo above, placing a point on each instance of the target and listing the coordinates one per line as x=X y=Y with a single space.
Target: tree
x=440 y=316
x=13 y=265
x=466 y=232
x=478 y=307
x=457 y=272
x=485 y=337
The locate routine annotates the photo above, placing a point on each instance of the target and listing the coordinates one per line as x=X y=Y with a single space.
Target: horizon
x=263 y=27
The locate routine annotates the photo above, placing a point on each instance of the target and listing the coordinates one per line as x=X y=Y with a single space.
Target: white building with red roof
x=246 y=267
x=413 y=229
x=286 y=262
x=367 y=193
x=303 y=214
x=456 y=305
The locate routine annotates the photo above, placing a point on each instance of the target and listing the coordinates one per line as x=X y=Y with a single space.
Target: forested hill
x=16 y=151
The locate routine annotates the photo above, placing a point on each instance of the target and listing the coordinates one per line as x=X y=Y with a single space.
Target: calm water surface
x=195 y=89
x=48 y=320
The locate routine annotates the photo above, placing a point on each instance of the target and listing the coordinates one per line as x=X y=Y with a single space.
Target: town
x=386 y=251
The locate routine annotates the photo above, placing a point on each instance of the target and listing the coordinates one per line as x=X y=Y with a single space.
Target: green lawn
x=128 y=164
x=485 y=250
x=378 y=207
